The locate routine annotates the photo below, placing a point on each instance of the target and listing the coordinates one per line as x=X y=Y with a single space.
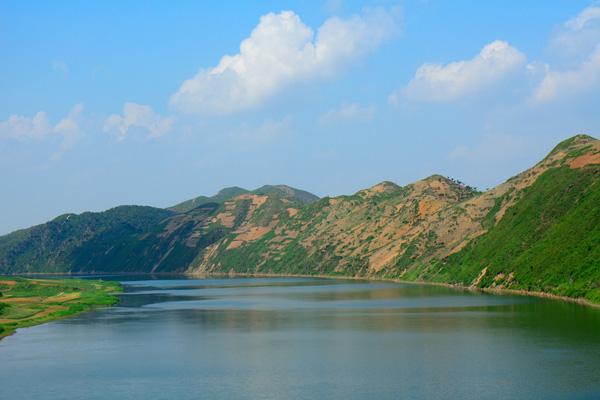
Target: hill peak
x=573 y=142
x=288 y=192
x=223 y=195
x=443 y=186
x=437 y=177
x=384 y=187
x=230 y=191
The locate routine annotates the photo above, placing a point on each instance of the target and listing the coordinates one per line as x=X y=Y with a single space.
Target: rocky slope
x=540 y=230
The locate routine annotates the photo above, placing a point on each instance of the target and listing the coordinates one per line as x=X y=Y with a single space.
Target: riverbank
x=26 y=302
x=496 y=291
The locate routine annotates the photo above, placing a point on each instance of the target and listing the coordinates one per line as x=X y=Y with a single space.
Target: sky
x=104 y=103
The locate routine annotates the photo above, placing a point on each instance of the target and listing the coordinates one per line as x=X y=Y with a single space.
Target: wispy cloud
x=70 y=129
x=60 y=66
x=267 y=131
x=348 y=112
x=578 y=40
x=490 y=147
x=280 y=50
x=585 y=18
x=583 y=78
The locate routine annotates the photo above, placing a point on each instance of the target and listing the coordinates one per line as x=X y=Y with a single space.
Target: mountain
x=538 y=231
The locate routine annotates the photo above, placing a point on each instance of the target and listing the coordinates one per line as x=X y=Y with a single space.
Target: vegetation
x=26 y=302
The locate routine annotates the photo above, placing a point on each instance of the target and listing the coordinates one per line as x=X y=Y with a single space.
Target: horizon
x=118 y=103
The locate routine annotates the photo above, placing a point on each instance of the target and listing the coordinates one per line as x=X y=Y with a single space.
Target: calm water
x=287 y=338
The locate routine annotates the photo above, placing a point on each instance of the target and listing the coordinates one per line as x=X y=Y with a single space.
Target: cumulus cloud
x=137 y=116
x=353 y=112
x=438 y=83
x=280 y=50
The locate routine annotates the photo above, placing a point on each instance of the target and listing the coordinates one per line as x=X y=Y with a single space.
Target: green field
x=26 y=302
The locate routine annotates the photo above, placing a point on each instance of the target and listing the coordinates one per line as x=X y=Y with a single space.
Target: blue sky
x=130 y=102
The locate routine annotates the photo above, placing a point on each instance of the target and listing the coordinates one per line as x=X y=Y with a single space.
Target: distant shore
x=496 y=291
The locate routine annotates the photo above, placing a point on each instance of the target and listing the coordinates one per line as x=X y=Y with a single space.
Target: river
x=305 y=338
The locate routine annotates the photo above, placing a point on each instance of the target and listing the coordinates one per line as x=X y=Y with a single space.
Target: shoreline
x=496 y=291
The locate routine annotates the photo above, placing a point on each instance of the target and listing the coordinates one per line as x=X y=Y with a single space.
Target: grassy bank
x=26 y=301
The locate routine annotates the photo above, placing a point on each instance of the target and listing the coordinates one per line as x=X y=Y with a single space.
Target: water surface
x=301 y=338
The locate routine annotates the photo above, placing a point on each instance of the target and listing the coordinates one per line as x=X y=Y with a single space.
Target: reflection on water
x=300 y=338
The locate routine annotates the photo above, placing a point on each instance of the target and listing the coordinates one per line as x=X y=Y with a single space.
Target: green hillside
x=549 y=241
x=52 y=247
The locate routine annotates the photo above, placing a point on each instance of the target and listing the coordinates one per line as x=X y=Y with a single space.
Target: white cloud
x=21 y=127
x=437 y=82
x=584 y=77
x=137 y=116
x=578 y=41
x=280 y=50
x=348 y=112
x=38 y=126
